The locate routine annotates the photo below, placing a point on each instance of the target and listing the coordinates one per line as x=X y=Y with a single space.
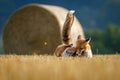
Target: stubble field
x=38 y=67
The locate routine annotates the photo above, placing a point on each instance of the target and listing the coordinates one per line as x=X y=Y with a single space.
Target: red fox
x=66 y=49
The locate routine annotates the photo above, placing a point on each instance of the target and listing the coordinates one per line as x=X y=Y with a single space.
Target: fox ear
x=88 y=40
x=79 y=36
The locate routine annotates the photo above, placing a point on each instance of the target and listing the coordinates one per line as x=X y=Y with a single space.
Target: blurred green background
x=100 y=20
x=105 y=41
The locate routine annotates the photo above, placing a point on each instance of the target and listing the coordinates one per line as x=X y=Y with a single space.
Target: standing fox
x=66 y=49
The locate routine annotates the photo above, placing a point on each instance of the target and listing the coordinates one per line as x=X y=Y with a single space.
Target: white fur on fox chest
x=88 y=53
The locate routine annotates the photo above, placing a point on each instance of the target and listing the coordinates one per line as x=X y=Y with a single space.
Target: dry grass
x=100 y=67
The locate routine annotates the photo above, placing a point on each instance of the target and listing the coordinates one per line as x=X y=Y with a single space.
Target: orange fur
x=59 y=50
x=81 y=44
x=65 y=34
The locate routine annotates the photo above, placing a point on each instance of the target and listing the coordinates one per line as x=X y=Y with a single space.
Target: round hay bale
x=37 y=28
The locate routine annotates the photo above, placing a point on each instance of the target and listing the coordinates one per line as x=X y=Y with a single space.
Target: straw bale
x=37 y=28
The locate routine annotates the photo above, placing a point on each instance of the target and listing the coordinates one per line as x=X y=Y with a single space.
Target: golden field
x=37 y=67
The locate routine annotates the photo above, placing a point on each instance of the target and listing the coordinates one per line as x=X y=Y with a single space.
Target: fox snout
x=88 y=53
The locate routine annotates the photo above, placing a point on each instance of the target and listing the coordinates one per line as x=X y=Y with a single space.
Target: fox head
x=83 y=47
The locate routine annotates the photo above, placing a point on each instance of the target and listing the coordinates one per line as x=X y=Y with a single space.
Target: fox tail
x=67 y=27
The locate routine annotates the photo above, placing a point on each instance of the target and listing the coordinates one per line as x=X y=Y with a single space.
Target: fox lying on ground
x=66 y=49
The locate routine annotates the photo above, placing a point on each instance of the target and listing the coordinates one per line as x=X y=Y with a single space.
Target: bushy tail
x=67 y=27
